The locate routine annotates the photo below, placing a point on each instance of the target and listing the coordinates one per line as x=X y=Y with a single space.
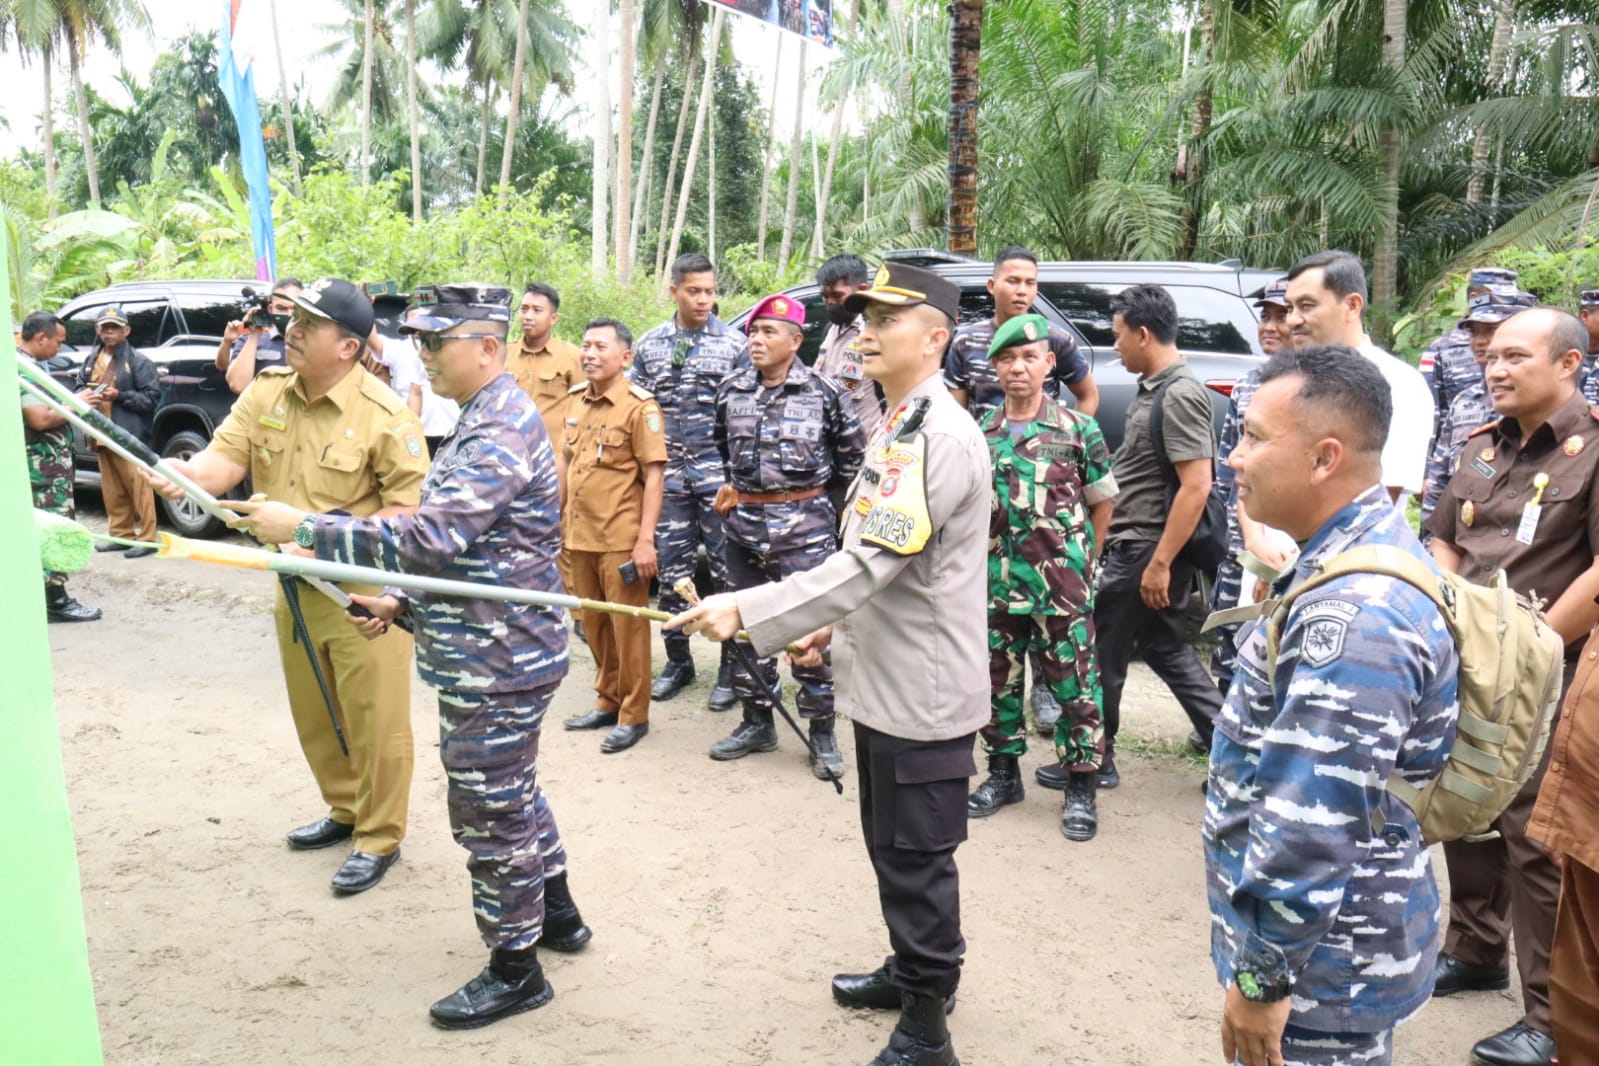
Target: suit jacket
x=910 y=634
x=138 y=387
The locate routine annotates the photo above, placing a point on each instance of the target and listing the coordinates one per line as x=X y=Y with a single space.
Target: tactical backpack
x=1510 y=669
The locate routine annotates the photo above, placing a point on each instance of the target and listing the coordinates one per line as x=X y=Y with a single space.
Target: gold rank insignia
x=881 y=278
x=780 y=306
x=1573 y=445
x=1468 y=513
x=1489 y=455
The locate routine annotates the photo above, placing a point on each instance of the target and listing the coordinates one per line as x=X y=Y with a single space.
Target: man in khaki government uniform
x=545 y=366
x=908 y=591
x=323 y=434
x=1523 y=499
x=612 y=459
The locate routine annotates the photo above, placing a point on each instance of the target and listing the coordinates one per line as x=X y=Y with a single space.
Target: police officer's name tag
x=1481 y=467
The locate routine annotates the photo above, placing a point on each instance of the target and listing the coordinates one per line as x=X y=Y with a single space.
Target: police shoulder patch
x=639 y=392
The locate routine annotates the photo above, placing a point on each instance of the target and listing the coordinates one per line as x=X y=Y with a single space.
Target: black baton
x=302 y=636
x=746 y=659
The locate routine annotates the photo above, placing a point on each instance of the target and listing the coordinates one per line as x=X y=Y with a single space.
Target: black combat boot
x=723 y=698
x=827 y=763
x=754 y=733
x=511 y=983
x=922 y=1036
x=675 y=676
x=1003 y=787
x=1078 y=818
x=563 y=926
x=59 y=607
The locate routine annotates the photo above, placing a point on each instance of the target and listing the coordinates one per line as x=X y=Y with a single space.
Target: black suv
x=1216 y=326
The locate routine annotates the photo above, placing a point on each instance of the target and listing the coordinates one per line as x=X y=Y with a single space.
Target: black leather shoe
x=872 y=991
x=674 y=677
x=1002 y=787
x=1056 y=776
x=623 y=737
x=1520 y=1045
x=1079 y=820
x=1453 y=976
x=363 y=870
x=59 y=607
x=921 y=1038
x=322 y=833
x=564 y=930
x=139 y=553
x=107 y=546
x=595 y=719
x=511 y=983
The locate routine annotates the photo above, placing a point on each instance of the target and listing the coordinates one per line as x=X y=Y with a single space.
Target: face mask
x=281 y=323
x=839 y=315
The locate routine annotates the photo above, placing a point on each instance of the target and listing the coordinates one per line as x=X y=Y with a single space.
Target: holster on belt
x=726 y=500
x=727 y=497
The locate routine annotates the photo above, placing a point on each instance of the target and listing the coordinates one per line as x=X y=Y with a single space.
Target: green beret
x=1023 y=329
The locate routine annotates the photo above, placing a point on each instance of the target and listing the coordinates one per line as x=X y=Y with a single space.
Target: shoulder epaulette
x=575 y=389
x=640 y=392
x=382 y=395
x=278 y=371
x=1491 y=425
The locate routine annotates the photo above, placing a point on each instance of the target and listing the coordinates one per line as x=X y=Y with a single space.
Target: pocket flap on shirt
x=343 y=462
x=921 y=766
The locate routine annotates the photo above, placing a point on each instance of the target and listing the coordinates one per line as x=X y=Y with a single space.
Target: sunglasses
x=434 y=342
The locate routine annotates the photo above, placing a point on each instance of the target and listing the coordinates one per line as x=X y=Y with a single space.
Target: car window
x=1208 y=320
x=146 y=321
x=208 y=316
x=976 y=305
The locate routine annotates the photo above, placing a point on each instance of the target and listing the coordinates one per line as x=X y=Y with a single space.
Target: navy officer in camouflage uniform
x=1446 y=363
x=1324 y=929
x=489 y=513
x=792 y=444
x=682 y=363
x=1588 y=314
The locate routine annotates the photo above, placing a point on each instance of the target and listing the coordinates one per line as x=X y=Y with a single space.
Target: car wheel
x=184 y=516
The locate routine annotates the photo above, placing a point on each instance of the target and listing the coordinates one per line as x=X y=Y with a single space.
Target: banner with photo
x=810 y=19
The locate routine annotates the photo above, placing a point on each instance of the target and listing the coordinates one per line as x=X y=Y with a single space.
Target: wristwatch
x=1260 y=989
x=305 y=532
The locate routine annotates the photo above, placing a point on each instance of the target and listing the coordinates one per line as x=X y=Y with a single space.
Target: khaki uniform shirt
x=1567 y=815
x=358 y=448
x=547 y=375
x=608 y=439
x=1480 y=512
x=910 y=632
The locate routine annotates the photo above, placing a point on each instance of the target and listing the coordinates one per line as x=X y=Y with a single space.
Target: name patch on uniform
x=1481 y=467
x=1326 y=623
x=743 y=408
x=272 y=423
x=1059 y=453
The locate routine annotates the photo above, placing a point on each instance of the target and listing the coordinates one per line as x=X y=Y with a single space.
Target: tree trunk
x=710 y=187
x=796 y=165
x=516 y=94
x=366 y=92
x=49 y=131
x=965 y=41
x=91 y=166
x=1390 y=154
x=837 y=135
x=646 y=165
x=1204 y=105
x=624 y=149
x=771 y=149
x=1504 y=26
x=483 y=137
x=671 y=162
x=416 y=122
x=600 y=191
x=288 y=104
x=694 y=141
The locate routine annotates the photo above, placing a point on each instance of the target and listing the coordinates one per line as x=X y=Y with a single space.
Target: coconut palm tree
x=29 y=27
x=78 y=25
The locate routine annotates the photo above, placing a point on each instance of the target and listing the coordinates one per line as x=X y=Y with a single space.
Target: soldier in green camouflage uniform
x=47 y=441
x=1052 y=500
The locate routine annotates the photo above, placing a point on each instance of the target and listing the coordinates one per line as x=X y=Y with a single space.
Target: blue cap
x=1482 y=277
x=1589 y=297
x=1496 y=305
x=1276 y=294
x=435 y=308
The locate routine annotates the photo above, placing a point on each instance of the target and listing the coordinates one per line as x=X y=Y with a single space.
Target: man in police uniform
x=839 y=278
x=323 y=434
x=613 y=453
x=1447 y=363
x=1470 y=409
x=906 y=593
x=1322 y=926
x=791 y=445
x=1244 y=534
x=682 y=364
x=492 y=487
x=1053 y=493
x=1523 y=500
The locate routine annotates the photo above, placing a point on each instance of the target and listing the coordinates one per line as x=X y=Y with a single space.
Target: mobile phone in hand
x=629 y=571
x=97 y=389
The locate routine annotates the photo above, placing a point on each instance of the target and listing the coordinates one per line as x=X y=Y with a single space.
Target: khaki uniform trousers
x=1574 y=967
x=620 y=643
x=370 y=684
x=129 y=499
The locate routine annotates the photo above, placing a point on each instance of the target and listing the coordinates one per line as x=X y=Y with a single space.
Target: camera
x=255 y=303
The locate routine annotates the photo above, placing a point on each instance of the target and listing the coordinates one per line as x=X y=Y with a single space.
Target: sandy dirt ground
x=722 y=896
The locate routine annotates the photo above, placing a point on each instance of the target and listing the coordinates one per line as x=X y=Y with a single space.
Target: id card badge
x=1529 y=522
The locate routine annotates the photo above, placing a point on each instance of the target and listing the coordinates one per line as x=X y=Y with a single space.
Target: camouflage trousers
x=1224 y=593
x=687 y=522
x=52 y=491
x=489 y=745
x=1304 y=1047
x=1065 y=647
x=747 y=567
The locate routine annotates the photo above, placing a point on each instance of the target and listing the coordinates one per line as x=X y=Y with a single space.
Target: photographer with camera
x=255 y=341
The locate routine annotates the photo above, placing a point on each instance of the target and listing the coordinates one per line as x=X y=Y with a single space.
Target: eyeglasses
x=434 y=342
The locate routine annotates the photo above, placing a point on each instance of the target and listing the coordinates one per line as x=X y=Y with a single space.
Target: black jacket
x=138 y=388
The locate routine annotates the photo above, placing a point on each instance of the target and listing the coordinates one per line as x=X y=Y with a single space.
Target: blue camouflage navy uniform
x=1449 y=369
x=966 y=366
x=1470 y=411
x=490 y=513
x=1590 y=380
x=802 y=434
x=1229 y=581
x=683 y=369
x=1300 y=884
